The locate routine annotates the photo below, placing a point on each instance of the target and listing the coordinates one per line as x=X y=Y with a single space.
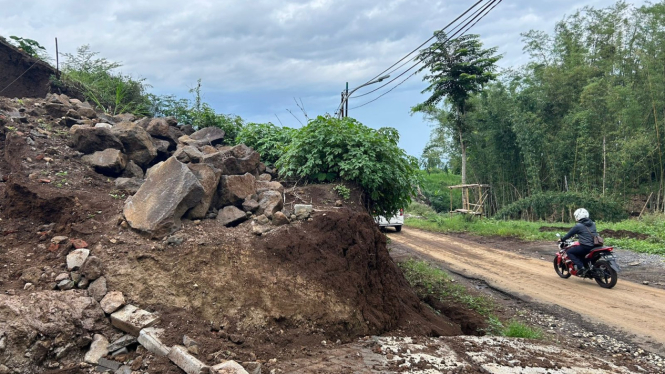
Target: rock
x=113 y=365
x=168 y=192
x=228 y=367
x=87 y=112
x=131 y=319
x=97 y=289
x=302 y=211
x=162 y=147
x=133 y=171
x=89 y=140
x=209 y=136
x=98 y=349
x=269 y=203
x=128 y=185
x=137 y=142
x=262 y=220
x=124 y=117
x=59 y=239
x=104 y=125
x=279 y=219
x=32 y=275
x=191 y=345
x=252 y=367
x=149 y=338
x=208 y=149
x=339 y=203
x=79 y=243
x=250 y=205
x=209 y=179
x=235 y=161
x=66 y=285
x=112 y=302
x=76 y=258
x=83 y=283
x=61 y=277
x=189 y=153
x=262 y=186
x=265 y=177
x=187 y=129
x=231 y=216
x=110 y=162
x=28 y=287
x=259 y=229
x=56 y=110
x=92 y=268
x=161 y=129
x=636 y=263
x=234 y=189
x=124 y=341
x=124 y=369
x=188 y=363
x=121 y=351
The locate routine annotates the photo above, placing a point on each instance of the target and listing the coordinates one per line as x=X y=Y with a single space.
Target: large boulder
x=234 y=189
x=231 y=216
x=92 y=139
x=161 y=129
x=110 y=162
x=269 y=203
x=64 y=319
x=209 y=136
x=209 y=179
x=235 y=161
x=137 y=142
x=262 y=186
x=170 y=190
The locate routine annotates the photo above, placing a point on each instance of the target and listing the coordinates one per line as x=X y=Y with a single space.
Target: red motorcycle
x=600 y=263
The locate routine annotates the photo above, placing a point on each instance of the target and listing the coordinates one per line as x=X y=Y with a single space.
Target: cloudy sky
x=255 y=57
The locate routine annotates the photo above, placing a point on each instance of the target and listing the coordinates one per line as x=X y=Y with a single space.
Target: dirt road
x=630 y=307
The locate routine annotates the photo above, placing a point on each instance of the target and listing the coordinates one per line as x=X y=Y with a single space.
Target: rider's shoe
x=581 y=272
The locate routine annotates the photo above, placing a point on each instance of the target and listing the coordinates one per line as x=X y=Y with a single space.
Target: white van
x=395 y=221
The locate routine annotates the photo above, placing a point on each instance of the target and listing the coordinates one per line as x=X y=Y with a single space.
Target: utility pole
x=344 y=106
x=346 y=112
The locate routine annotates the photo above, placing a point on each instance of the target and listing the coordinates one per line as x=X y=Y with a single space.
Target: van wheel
x=398 y=228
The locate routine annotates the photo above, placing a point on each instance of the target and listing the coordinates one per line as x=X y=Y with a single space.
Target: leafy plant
x=328 y=149
x=29 y=46
x=267 y=139
x=343 y=191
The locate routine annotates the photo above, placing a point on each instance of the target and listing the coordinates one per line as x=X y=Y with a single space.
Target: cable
x=415 y=72
x=476 y=13
x=19 y=77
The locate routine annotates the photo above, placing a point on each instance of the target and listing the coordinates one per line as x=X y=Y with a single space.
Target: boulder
x=234 y=189
x=112 y=302
x=97 y=289
x=208 y=149
x=76 y=258
x=128 y=185
x=86 y=112
x=92 y=268
x=209 y=136
x=269 y=203
x=161 y=129
x=279 y=219
x=56 y=110
x=92 y=139
x=131 y=319
x=262 y=186
x=137 y=142
x=170 y=190
x=133 y=171
x=250 y=204
x=302 y=211
x=110 y=162
x=187 y=129
x=234 y=161
x=231 y=216
x=209 y=179
x=188 y=153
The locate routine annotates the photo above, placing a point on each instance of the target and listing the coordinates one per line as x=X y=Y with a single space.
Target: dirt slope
x=633 y=308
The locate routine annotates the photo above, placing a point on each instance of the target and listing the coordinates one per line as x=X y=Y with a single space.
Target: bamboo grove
x=586 y=115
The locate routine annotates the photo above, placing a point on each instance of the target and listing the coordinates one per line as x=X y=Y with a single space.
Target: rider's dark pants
x=577 y=253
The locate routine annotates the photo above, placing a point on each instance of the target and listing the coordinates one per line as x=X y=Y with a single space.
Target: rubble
x=131 y=319
x=149 y=338
x=76 y=258
x=98 y=349
x=112 y=301
x=188 y=363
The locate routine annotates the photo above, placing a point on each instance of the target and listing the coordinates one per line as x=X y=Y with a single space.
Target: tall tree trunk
x=463 y=146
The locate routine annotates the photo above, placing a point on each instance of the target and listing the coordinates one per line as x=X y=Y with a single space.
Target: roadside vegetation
x=428 y=280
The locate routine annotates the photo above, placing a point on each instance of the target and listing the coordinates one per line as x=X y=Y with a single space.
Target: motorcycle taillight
x=401 y=212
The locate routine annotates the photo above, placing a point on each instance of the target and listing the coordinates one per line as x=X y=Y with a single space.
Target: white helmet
x=581 y=213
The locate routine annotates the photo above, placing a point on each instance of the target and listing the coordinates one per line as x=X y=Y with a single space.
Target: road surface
x=631 y=307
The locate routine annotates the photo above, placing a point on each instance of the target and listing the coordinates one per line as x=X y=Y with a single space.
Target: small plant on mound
x=267 y=139
x=343 y=191
x=329 y=149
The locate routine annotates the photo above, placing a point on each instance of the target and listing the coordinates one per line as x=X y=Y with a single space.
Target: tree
x=458 y=68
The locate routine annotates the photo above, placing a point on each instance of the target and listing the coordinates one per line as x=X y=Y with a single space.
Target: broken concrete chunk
x=302 y=211
x=228 y=367
x=76 y=258
x=188 y=363
x=98 y=349
x=131 y=319
x=124 y=341
x=149 y=338
x=112 y=302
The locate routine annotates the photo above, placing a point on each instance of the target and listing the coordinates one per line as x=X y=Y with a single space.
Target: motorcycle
x=600 y=264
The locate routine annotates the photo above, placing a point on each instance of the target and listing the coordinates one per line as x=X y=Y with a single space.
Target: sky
x=255 y=58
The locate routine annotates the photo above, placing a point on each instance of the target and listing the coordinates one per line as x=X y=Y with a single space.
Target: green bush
x=549 y=206
x=434 y=186
x=519 y=330
x=328 y=149
x=267 y=139
x=420 y=209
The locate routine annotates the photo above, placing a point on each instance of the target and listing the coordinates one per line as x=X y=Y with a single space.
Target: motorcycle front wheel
x=561 y=269
x=604 y=275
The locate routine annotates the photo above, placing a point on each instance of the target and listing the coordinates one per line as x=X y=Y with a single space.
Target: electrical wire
x=415 y=72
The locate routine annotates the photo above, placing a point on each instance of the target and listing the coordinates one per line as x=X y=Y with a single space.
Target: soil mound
x=623 y=234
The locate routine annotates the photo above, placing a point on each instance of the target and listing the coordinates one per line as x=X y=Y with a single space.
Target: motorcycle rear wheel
x=561 y=269
x=604 y=275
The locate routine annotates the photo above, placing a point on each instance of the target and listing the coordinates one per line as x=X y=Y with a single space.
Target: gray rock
x=234 y=189
x=66 y=284
x=92 y=268
x=208 y=135
x=279 y=219
x=121 y=351
x=231 y=216
x=228 y=367
x=188 y=153
x=83 y=283
x=110 y=162
x=124 y=369
x=169 y=191
x=113 y=365
x=302 y=211
x=97 y=289
x=209 y=179
x=150 y=339
x=133 y=171
x=128 y=185
x=76 y=258
x=162 y=147
x=112 y=302
x=262 y=186
x=137 y=142
x=98 y=349
x=33 y=274
x=89 y=140
x=104 y=125
x=60 y=277
x=123 y=342
x=124 y=117
x=269 y=203
x=161 y=129
x=250 y=205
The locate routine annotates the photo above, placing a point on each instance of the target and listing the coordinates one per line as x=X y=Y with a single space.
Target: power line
x=415 y=72
x=476 y=13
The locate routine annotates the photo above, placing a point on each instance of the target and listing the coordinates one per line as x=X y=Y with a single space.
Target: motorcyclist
x=585 y=229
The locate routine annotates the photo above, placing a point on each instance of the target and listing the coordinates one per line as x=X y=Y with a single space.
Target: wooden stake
x=645 y=206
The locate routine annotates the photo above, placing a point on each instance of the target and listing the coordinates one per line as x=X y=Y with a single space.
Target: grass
x=652 y=225
x=516 y=329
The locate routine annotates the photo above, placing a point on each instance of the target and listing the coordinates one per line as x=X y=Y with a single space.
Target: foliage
x=267 y=139
x=516 y=329
x=420 y=210
x=428 y=280
x=343 y=191
x=328 y=149
x=95 y=78
x=558 y=206
x=29 y=46
x=434 y=187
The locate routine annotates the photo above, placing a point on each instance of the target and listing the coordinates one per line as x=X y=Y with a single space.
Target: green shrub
x=434 y=186
x=29 y=46
x=267 y=139
x=519 y=330
x=343 y=191
x=328 y=149
x=420 y=209
x=549 y=206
